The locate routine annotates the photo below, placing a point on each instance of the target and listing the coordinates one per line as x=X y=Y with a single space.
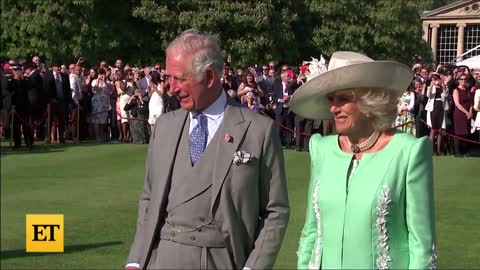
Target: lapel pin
x=228 y=138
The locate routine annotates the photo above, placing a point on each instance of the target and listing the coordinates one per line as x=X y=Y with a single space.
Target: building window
x=471 y=40
x=447 y=43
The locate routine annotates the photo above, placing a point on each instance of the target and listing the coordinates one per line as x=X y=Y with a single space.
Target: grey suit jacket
x=249 y=201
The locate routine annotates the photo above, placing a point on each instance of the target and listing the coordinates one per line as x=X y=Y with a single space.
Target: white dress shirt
x=285 y=92
x=155 y=108
x=76 y=85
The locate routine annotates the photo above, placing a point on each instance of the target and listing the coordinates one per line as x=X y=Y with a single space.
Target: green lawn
x=96 y=187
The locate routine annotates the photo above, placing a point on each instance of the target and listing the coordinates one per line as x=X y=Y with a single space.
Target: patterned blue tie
x=198 y=138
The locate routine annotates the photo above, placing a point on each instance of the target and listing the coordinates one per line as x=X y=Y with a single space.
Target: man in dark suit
x=57 y=90
x=18 y=87
x=303 y=126
x=215 y=192
x=282 y=91
x=262 y=79
x=37 y=99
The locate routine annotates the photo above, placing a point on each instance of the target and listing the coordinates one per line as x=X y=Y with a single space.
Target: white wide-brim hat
x=348 y=70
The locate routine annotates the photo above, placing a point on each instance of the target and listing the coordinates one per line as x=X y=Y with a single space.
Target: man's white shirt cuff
x=137 y=265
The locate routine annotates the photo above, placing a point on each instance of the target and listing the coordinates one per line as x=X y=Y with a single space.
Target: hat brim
x=310 y=99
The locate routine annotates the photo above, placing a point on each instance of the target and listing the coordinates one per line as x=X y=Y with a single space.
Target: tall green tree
x=251 y=31
x=288 y=31
x=382 y=29
x=51 y=28
x=65 y=30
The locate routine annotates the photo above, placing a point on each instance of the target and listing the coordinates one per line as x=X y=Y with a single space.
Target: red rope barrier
x=404 y=124
x=6 y=117
x=35 y=124
x=128 y=118
x=292 y=130
x=309 y=135
x=133 y=118
x=21 y=119
x=450 y=135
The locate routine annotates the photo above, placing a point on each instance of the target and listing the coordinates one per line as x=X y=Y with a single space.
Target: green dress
x=383 y=218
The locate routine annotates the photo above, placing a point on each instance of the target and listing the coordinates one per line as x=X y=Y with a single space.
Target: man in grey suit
x=215 y=194
x=144 y=82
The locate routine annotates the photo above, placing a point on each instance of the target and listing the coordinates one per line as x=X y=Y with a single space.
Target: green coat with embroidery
x=383 y=218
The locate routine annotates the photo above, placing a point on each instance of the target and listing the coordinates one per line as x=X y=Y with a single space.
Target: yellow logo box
x=44 y=233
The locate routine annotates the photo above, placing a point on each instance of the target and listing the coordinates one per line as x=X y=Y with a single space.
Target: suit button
x=192 y=238
x=202 y=219
x=172 y=234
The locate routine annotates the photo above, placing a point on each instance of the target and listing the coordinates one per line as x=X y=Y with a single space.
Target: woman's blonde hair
x=378 y=105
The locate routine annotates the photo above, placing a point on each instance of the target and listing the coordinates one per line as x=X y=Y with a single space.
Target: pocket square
x=242 y=157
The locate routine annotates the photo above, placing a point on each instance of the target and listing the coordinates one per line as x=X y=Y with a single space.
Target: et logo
x=44 y=233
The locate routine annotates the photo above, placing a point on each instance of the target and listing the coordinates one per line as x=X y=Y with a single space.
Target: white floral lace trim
x=433 y=258
x=315 y=263
x=382 y=212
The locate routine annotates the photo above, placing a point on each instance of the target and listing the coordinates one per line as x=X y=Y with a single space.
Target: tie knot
x=201 y=119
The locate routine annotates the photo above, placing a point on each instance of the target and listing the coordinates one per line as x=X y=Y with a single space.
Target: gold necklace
x=365 y=145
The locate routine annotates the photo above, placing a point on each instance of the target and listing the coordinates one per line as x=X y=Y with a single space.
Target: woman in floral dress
x=100 y=105
x=405 y=112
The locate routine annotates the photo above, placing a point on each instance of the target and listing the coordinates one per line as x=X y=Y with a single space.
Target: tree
x=138 y=31
x=51 y=28
x=381 y=29
x=65 y=30
x=397 y=32
x=251 y=31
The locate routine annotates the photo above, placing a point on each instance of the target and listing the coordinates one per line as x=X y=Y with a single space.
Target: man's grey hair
x=204 y=51
x=378 y=105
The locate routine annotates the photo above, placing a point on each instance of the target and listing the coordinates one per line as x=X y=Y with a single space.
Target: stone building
x=453 y=30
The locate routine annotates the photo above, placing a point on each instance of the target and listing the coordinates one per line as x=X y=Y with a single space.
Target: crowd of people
x=101 y=103
x=122 y=102
x=440 y=104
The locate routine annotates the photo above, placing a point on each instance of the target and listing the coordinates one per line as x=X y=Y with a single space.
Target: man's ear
x=210 y=77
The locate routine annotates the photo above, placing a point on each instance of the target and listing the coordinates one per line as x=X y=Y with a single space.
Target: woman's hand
x=139 y=98
x=469 y=115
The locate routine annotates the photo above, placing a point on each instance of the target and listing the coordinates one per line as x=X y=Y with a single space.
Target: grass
x=96 y=187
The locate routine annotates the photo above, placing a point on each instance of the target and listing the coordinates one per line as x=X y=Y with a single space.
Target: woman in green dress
x=370 y=199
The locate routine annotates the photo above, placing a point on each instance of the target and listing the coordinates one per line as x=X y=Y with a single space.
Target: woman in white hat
x=370 y=201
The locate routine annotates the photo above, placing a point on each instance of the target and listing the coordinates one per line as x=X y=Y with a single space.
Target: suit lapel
x=236 y=126
x=172 y=131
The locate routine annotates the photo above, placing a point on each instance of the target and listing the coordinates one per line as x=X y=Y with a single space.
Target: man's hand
x=80 y=60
